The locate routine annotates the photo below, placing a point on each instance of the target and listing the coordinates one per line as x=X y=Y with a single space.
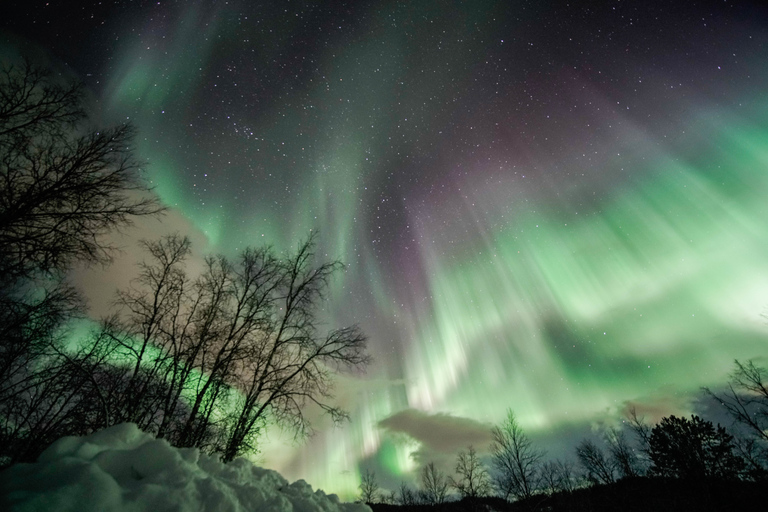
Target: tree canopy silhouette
x=692 y=449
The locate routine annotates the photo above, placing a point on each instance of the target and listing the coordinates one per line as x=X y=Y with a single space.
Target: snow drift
x=124 y=469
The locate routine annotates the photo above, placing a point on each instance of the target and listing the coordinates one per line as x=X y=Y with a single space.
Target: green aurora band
x=562 y=309
x=562 y=318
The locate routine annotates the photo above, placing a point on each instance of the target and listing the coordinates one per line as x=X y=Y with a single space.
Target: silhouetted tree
x=755 y=456
x=62 y=187
x=249 y=325
x=32 y=324
x=597 y=465
x=640 y=428
x=557 y=476
x=747 y=398
x=472 y=480
x=515 y=460
x=623 y=456
x=389 y=497
x=682 y=448
x=405 y=496
x=369 y=487
x=434 y=485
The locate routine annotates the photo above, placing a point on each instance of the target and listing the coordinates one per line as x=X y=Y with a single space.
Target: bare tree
x=472 y=480
x=558 y=476
x=250 y=326
x=623 y=455
x=515 y=459
x=597 y=466
x=31 y=325
x=746 y=399
x=434 y=485
x=405 y=496
x=291 y=364
x=390 y=497
x=33 y=419
x=755 y=457
x=369 y=487
x=147 y=335
x=641 y=429
x=61 y=187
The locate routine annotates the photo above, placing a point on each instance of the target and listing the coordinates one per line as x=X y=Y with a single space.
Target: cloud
x=653 y=408
x=440 y=436
x=100 y=283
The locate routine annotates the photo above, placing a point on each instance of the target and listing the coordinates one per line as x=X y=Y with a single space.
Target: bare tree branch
x=515 y=460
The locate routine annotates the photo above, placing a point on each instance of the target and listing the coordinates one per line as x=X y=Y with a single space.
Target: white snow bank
x=124 y=469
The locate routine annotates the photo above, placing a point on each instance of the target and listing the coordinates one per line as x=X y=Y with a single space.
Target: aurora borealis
x=542 y=206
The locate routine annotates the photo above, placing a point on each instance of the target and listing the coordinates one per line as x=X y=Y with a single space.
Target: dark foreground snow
x=124 y=469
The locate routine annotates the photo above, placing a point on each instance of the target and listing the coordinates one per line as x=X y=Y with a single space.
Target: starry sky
x=546 y=206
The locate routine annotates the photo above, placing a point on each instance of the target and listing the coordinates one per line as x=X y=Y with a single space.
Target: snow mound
x=124 y=469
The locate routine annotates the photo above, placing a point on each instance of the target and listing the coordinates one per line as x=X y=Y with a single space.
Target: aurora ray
x=555 y=209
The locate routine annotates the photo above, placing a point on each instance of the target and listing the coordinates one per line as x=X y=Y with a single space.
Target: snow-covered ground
x=124 y=469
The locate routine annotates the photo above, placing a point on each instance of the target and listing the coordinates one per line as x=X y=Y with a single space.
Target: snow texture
x=124 y=469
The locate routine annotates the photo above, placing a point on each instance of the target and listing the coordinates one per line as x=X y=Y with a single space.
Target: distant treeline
x=677 y=464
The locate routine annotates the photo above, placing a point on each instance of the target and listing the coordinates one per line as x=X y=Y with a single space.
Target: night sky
x=542 y=206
